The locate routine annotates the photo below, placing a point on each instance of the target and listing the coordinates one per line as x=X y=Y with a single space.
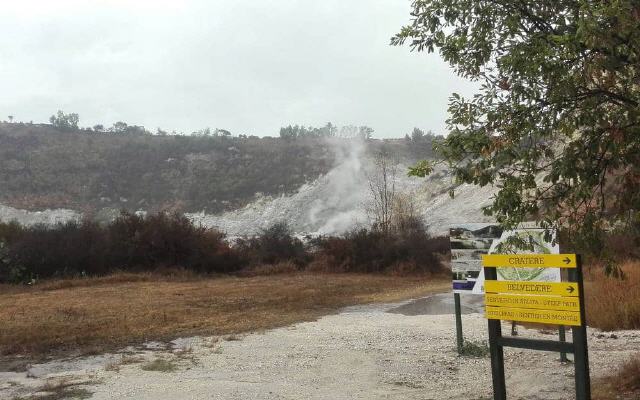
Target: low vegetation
x=60 y=389
x=160 y=365
x=97 y=314
x=613 y=303
x=133 y=243
x=43 y=166
x=474 y=349
x=130 y=243
x=399 y=252
x=623 y=384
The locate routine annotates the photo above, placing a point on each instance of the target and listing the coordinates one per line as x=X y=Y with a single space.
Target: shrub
x=68 y=249
x=274 y=245
x=474 y=349
x=371 y=251
x=131 y=243
x=168 y=240
x=171 y=244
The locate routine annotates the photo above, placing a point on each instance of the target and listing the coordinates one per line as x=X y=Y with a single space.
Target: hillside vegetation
x=42 y=166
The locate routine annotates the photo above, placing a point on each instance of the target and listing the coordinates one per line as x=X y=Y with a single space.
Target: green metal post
x=581 y=353
x=458 y=311
x=562 y=336
x=496 y=349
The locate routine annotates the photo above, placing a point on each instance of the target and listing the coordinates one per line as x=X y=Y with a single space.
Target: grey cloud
x=247 y=66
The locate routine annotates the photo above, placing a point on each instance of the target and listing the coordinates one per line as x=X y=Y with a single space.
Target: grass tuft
x=59 y=390
x=160 y=365
x=474 y=349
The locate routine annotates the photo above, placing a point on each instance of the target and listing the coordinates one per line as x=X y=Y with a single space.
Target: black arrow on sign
x=566 y=260
x=570 y=289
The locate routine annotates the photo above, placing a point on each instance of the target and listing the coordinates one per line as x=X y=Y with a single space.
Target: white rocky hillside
x=333 y=203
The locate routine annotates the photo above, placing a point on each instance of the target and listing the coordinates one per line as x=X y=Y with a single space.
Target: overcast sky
x=249 y=66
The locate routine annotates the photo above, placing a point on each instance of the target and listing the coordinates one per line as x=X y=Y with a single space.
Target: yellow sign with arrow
x=530 y=260
x=569 y=289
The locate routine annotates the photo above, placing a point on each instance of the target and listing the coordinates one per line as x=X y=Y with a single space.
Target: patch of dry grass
x=611 y=303
x=624 y=384
x=160 y=365
x=60 y=389
x=93 y=315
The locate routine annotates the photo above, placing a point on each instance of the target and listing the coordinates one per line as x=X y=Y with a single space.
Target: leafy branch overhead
x=555 y=124
x=421 y=169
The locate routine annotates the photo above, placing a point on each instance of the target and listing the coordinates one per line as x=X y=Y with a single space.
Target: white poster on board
x=535 y=237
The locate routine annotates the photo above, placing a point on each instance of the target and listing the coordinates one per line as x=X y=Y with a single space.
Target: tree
x=123 y=128
x=381 y=180
x=206 y=132
x=289 y=132
x=417 y=134
x=98 y=128
x=365 y=132
x=10 y=118
x=329 y=130
x=221 y=132
x=556 y=122
x=64 y=121
x=119 y=127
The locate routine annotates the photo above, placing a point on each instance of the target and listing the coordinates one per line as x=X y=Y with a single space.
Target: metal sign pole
x=458 y=309
x=581 y=356
x=496 y=348
x=562 y=331
x=562 y=337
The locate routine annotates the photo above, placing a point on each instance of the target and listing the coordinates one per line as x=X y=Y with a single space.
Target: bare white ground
x=361 y=353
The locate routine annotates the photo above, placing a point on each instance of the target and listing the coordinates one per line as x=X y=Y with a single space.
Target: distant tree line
x=419 y=136
x=329 y=130
x=70 y=121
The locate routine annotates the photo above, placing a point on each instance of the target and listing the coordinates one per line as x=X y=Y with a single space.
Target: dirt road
x=394 y=351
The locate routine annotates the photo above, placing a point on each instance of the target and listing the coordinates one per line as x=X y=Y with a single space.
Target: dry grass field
x=612 y=303
x=92 y=315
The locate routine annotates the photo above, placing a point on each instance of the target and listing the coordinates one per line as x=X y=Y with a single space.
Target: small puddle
x=441 y=304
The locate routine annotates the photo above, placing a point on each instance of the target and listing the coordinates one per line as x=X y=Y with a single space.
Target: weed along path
x=392 y=351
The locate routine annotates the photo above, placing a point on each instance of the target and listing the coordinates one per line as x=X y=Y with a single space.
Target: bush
x=131 y=243
x=274 y=245
x=474 y=349
x=168 y=240
x=172 y=243
x=371 y=251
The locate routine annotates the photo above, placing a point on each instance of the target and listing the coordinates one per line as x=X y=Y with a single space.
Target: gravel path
x=392 y=351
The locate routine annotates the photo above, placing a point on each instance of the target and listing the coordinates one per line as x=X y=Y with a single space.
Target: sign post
x=558 y=303
x=468 y=243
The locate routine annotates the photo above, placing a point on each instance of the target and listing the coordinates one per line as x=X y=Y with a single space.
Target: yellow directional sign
x=536 y=302
x=553 y=317
x=541 y=288
x=530 y=260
